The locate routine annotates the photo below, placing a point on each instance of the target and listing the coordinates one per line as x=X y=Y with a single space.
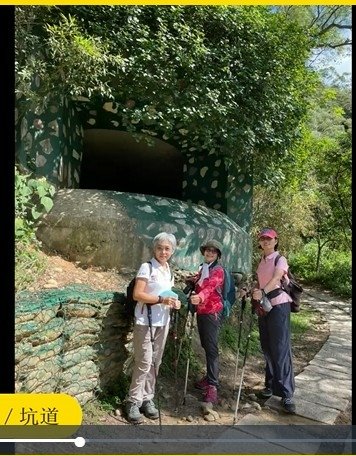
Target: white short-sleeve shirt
x=158 y=281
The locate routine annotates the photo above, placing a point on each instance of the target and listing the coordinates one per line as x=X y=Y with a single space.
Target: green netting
x=47 y=332
x=43 y=377
x=32 y=303
x=74 y=340
x=75 y=356
x=70 y=340
x=29 y=355
x=85 y=370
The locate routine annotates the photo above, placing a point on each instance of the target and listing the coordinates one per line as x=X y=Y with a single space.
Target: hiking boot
x=149 y=409
x=202 y=384
x=265 y=393
x=133 y=412
x=288 y=405
x=210 y=394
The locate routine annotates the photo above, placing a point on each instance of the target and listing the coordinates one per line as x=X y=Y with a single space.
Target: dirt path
x=192 y=412
x=60 y=273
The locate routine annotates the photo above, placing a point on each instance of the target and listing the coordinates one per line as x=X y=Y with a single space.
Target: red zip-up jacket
x=210 y=292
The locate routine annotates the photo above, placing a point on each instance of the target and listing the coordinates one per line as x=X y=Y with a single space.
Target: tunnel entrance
x=114 y=160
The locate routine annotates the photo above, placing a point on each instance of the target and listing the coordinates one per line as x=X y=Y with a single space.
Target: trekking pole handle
x=195 y=301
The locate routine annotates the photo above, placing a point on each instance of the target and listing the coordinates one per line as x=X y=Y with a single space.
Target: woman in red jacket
x=208 y=301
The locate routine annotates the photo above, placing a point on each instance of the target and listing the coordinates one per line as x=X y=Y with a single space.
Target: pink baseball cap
x=268 y=232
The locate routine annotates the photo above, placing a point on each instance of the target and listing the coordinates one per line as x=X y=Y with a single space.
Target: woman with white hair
x=152 y=316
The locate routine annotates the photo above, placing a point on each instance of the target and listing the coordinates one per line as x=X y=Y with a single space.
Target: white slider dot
x=79 y=442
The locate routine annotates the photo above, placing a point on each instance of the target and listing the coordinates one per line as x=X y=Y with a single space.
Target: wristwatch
x=160 y=300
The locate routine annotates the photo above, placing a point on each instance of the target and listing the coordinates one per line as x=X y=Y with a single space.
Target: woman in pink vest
x=274 y=326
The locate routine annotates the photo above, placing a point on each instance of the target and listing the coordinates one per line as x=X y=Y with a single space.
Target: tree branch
x=334 y=25
x=347 y=42
x=316 y=18
x=332 y=13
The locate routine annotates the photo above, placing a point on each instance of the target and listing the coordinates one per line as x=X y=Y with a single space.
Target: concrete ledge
x=324 y=399
x=340 y=347
x=321 y=379
x=331 y=365
x=325 y=386
x=344 y=342
x=334 y=357
x=312 y=411
x=314 y=369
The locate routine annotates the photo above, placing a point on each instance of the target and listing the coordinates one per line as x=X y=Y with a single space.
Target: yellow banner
x=38 y=415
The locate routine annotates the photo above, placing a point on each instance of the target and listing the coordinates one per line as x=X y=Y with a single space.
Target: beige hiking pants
x=143 y=380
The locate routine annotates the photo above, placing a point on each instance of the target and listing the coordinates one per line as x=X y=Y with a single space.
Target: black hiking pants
x=208 y=327
x=276 y=346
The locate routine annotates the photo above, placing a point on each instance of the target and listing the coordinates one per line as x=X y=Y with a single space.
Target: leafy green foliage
x=329 y=176
x=82 y=58
x=228 y=339
x=55 y=59
x=333 y=174
x=287 y=210
x=229 y=332
x=312 y=207
x=223 y=80
x=94 y=412
x=334 y=272
x=33 y=197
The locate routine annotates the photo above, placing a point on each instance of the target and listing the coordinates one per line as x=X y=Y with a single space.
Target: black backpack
x=293 y=289
x=130 y=302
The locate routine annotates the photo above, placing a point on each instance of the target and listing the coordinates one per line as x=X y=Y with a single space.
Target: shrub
x=335 y=268
x=228 y=337
x=29 y=264
x=33 y=197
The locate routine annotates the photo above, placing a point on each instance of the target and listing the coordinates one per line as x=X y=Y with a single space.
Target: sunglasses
x=211 y=250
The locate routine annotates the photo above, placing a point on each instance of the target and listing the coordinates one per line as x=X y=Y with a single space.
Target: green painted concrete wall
x=51 y=144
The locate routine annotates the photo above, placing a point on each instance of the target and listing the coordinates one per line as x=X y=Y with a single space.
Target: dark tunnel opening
x=114 y=160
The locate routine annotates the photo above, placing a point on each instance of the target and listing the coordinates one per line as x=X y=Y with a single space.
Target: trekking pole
x=182 y=338
x=175 y=316
x=181 y=345
x=191 y=290
x=243 y=367
x=149 y=315
x=191 y=328
x=243 y=305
